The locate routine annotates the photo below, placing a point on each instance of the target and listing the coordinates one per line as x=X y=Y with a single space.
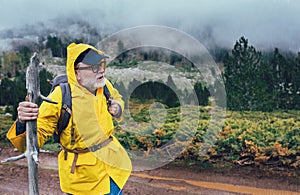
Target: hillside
x=144 y=71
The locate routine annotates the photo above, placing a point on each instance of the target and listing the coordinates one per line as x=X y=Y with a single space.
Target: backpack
x=66 y=109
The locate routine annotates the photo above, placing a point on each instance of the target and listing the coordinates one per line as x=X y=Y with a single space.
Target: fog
x=265 y=23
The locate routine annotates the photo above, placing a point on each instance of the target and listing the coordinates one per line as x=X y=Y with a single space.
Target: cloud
x=264 y=22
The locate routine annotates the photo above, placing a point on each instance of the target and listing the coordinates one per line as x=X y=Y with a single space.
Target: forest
x=254 y=80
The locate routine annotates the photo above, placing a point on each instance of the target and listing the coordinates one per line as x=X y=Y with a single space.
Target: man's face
x=90 y=77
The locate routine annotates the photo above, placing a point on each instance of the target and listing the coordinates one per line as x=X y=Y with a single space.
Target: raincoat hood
x=73 y=51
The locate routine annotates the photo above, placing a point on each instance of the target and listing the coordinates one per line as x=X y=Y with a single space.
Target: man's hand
x=114 y=108
x=27 y=111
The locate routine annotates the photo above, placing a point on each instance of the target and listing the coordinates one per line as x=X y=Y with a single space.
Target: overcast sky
x=275 y=23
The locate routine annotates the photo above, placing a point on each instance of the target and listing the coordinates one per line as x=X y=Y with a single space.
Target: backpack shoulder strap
x=107 y=95
x=66 y=110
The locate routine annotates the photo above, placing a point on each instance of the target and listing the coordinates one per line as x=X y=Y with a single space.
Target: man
x=82 y=170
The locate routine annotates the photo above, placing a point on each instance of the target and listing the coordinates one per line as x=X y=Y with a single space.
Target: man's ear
x=77 y=75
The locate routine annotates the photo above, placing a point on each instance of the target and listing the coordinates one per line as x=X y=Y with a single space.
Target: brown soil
x=172 y=179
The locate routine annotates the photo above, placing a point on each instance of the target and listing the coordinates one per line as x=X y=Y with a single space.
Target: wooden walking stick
x=32 y=149
x=33 y=90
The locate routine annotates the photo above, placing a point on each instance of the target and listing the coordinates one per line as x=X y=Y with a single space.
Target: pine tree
x=19 y=91
x=280 y=80
x=296 y=82
x=202 y=94
x=244 y=85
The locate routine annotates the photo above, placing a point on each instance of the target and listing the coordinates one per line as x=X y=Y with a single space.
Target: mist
x=265 y=23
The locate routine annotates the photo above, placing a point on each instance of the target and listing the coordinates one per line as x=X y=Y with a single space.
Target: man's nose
x=101 y=69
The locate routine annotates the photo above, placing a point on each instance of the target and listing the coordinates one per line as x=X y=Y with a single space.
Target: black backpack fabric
x=66 y=110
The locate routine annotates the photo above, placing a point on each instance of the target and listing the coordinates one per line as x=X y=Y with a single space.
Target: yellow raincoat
x=92 y=125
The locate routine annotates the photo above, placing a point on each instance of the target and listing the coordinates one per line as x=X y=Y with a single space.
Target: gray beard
x=99 y=85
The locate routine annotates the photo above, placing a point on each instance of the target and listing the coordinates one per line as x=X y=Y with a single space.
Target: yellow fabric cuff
x=19 y=141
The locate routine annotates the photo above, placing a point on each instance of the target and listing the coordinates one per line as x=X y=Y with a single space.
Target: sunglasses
x=95 y=68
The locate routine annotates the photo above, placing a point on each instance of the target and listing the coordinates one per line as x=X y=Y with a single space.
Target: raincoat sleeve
x=48 y=116
x=19 y=141
x=46 y=123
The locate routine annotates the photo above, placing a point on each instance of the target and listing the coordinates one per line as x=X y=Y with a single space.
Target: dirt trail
x=169 y=179
x=215 y=186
